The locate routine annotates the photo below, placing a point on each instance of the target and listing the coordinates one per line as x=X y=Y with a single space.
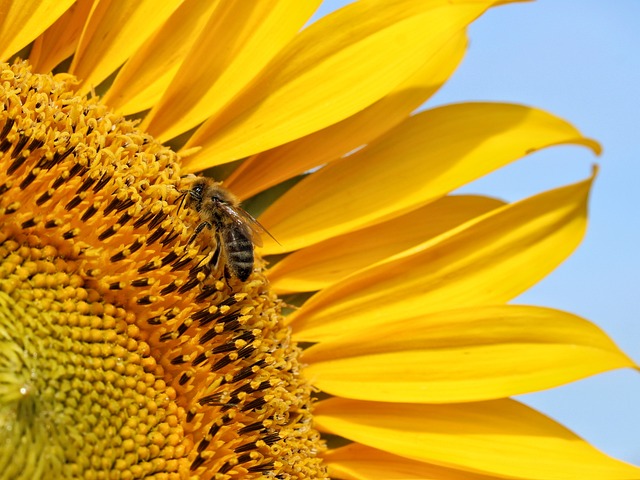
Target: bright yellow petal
x=489 y=260
x=360 y=462
x=499 y=437
x=144 y=78
x=22 y=21
x=278 y=164
x=425 y=157
x=59 y=41
x=333 y=69
x=239 y=40
x=471 y=354
x=114 y=31
x=325 y=263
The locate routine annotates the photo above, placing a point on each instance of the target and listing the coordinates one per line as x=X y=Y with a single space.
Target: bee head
x=195 y=192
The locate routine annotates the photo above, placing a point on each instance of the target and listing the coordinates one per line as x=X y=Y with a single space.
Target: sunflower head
x=124 y=347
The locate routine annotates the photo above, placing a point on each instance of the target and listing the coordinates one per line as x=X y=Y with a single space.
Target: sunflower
x=372 y=340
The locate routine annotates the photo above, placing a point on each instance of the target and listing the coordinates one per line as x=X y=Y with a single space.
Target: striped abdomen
x=239 y=252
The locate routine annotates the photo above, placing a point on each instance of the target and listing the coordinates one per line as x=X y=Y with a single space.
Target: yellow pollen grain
x=131 y=356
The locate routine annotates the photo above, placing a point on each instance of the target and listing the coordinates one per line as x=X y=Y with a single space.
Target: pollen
x=123 y=352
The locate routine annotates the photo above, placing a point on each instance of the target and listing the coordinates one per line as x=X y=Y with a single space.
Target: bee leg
x=197 y=231
x=215 y=261
x=227 y=276
x=215 y=258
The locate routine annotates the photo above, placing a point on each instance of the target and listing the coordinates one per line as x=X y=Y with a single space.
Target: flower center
x=122 y=347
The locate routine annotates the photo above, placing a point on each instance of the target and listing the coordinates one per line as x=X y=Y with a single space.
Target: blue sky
x=579 y=60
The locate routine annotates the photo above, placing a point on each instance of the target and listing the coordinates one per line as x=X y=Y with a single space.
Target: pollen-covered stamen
x=125 y=337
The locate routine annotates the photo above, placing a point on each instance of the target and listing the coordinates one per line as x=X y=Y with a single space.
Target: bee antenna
x=183 y=196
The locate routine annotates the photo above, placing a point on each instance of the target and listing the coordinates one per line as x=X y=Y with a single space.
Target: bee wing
x=244 y=220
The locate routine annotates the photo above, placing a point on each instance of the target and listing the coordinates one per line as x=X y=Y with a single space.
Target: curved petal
x=113 y=32
x=59 y=41
x=281 y=163
x=356 y=461
x=499 y=437
x=325 y=263
x=471 y=354
x=489 y=260
x=142 y=81
x=425 y=157
x=21 y=22
x=331 y=70
x=238 y=41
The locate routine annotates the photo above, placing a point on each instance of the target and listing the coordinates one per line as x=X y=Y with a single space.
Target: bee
x=236 y=231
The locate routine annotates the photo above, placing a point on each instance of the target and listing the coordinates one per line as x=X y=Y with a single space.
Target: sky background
x=581 y=61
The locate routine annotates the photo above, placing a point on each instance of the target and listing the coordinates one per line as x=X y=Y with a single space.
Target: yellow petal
x=113 y=32
x=470 y=354
x=59 y=41
x=325 y=263
x=281 y=163
x=499 y=437
x=333 y=69
x=144 y=78
x=360 y=462
x=489 y=260
x=22 y=21
x=425 y=157
x=239 y=40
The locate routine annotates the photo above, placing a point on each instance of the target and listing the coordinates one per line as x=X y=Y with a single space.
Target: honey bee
x=236 y=231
